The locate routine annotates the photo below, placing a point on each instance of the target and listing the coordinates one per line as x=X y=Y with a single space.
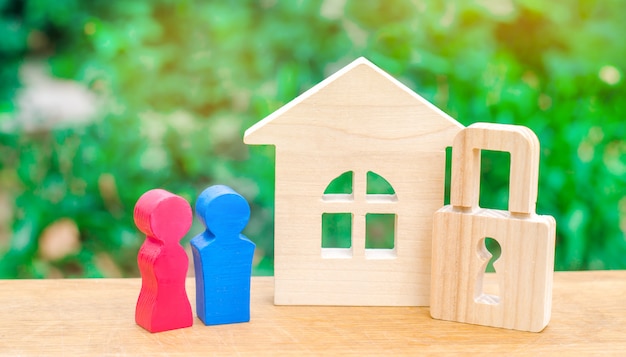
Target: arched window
x=347 y=208
x=377 y=185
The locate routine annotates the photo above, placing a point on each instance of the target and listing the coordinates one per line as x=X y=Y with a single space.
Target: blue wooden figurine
x=222 y=257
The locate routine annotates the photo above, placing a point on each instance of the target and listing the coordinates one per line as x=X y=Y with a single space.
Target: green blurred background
x=101 y=101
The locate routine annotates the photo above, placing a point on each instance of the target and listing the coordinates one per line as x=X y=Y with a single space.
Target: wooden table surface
x=96 y=318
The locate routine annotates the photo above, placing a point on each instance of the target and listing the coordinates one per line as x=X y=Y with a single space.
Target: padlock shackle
x=519 y=141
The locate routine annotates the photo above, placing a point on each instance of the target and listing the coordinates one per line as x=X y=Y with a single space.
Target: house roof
x=358 y=105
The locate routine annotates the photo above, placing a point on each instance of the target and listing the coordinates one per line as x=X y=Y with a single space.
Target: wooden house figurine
x=363 y=126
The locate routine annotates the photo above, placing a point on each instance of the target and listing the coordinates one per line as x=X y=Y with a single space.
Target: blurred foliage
x=179 y=81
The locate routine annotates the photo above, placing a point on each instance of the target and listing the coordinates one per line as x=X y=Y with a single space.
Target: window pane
x=336 y=230
x=376 y=185
x=380 y=231
x=340 y=185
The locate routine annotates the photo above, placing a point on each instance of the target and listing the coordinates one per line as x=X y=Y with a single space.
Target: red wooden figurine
x=163 y=304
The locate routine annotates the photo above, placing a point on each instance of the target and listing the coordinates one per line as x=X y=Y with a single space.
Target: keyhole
x=487 y=283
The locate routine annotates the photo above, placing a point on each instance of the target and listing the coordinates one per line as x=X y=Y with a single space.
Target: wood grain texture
x=524 y=271
x=95 y=318
x=360 y=119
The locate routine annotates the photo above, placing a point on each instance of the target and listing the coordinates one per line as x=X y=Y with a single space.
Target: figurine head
x=163 y=216
x=222 y=210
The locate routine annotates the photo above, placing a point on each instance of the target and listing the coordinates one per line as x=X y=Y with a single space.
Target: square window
x=336 y=230
x=380 y=231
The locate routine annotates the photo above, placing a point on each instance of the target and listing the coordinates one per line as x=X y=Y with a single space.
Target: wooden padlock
x=459 y=256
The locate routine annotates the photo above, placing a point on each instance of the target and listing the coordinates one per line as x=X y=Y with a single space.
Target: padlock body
x=524 y=271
